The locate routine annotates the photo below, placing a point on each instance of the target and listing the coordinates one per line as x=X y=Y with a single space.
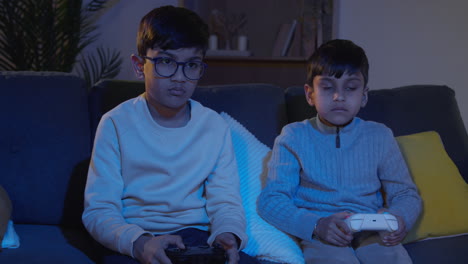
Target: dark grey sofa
x=47 y=128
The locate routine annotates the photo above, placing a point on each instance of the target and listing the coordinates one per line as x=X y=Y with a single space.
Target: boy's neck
x=168 y=117
x=328 y=124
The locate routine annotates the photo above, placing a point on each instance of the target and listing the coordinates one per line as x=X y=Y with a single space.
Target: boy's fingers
x=174 y=240
x=398 y=233
x=344 y=227
x=382 y=210
x=391 y=243
x=340 y=242
x=233 y=256
x=163 y=259
x=340 y=236
x=394 y=238
x=180 y=243
x=343 y=215
x=229 y=243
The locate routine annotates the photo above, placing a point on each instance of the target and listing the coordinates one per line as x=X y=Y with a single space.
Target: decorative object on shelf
x=316 y=24
x=234 y=53
x=213 y=42
x=263 y=23
x=309 y=29
x=242 y=42
x=224 y=30
x=284 y=38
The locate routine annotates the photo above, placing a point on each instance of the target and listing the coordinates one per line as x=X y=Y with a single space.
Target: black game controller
x=197 y=255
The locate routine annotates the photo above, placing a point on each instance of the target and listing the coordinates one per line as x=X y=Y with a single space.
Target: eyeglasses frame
x=153 y=60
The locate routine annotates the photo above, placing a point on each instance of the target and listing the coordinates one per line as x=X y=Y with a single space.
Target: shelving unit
x=314 y=21
x=281 y=71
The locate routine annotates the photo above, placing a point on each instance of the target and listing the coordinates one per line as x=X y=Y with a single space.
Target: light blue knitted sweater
x=316 y=171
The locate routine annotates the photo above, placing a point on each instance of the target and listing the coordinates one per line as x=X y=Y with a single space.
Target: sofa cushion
x=440 y=185
x=11 y=238
x=44 y=137
x=406 y=110
x=49 y=244
x=449 y=250
x=107 y=94
x=261 y=107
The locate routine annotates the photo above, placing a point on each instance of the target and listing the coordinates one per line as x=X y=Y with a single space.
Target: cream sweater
x=145 y=178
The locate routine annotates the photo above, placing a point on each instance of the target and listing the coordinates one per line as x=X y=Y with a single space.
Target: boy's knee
x=376 y=253
x=331 y=259
x=318 y=252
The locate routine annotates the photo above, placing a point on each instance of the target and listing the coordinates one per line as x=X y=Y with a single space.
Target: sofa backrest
x=44 y=145
x=406 y=110
x=46 y=129
x=107 y=94
x=259 y=107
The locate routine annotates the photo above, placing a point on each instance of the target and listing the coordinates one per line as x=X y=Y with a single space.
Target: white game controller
x=372 y=222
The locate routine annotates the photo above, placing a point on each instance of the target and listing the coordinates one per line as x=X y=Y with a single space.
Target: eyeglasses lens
x=167 y=67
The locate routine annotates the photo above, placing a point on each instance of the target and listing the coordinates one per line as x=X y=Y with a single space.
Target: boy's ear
x=309 y=94
x=137 y=63
x=365 y=96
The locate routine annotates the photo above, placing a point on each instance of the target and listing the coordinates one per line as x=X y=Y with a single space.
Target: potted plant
x=50 y=35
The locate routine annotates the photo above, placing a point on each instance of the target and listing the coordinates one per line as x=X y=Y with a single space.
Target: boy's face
x=337 y=100
x=167 y=93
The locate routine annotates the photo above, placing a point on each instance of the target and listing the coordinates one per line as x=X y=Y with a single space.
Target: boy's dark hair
x=170 y=27
x=336 y=57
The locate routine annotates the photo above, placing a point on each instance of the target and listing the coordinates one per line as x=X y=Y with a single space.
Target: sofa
x=48 y=121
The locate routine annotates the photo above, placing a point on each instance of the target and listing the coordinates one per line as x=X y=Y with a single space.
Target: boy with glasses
x=163 y=171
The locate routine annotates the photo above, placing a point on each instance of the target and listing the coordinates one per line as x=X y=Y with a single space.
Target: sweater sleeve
x=275 y=203
x=402 y=197
x=223 y=200
x=102 y=215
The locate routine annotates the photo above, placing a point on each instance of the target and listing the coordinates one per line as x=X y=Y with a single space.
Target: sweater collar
x=337 y=136
x=324 y=129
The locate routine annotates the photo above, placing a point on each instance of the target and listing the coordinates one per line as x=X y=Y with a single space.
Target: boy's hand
x=393 y=238
x=150 y=250
x=334 y=230
x=228 y=241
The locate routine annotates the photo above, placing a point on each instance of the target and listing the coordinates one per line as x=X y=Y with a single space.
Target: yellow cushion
x=442 y=188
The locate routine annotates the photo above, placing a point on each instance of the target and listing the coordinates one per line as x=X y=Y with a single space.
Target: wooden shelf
x=254 y=58
x=281 y=71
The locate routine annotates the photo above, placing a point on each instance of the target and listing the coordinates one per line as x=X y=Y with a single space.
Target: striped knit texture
x=309 y=177
x=265 y=241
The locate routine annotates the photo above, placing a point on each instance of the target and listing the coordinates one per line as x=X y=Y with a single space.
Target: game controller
x=197 y=255
x=372 y=222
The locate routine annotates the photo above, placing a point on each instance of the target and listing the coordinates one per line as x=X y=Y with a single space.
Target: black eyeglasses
x=167 y=67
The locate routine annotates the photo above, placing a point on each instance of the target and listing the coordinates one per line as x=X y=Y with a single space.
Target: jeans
x=366 y=248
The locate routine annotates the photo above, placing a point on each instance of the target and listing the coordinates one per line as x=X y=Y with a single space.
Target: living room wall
x=407 y=42
x=118 y=28
x=410 y=42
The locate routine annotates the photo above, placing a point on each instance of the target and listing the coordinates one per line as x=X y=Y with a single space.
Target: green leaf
x=96 y=5
x=47 y=35
x=103 y=63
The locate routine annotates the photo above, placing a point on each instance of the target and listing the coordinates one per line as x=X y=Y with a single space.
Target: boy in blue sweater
x=325 y=169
